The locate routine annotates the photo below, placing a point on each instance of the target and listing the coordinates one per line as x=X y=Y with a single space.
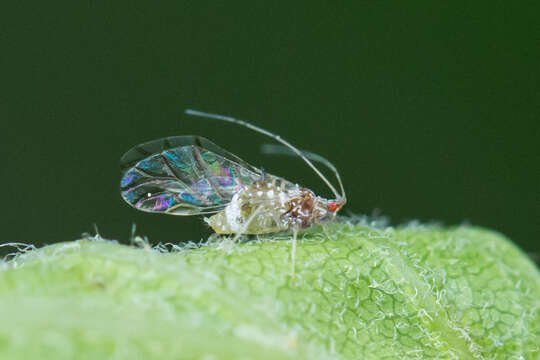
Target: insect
x=190 y=175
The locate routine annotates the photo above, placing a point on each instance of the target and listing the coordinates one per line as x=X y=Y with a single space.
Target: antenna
x=276 y=149
x=340 y=198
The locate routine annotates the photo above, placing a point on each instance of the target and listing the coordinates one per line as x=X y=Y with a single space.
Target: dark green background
x=429 y=109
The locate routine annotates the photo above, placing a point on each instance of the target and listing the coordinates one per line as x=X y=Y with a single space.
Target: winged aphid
x=190 y=175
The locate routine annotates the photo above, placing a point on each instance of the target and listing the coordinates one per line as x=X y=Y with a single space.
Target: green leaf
x=359 y=293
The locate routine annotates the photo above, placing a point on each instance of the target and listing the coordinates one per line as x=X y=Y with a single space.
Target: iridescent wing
x=183 y=175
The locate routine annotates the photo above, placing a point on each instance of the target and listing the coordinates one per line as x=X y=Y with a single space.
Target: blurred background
x=429 y=109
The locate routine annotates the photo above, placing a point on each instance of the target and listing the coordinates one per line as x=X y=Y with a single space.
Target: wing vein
x=174 y=174
x=207 y=175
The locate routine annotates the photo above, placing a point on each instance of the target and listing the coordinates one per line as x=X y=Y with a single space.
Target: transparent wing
x=183 y=175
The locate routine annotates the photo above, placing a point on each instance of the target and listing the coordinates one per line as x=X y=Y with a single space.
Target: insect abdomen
x=257 y=209
x=261 y=224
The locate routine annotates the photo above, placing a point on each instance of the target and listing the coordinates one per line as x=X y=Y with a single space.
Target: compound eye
x=332 y=206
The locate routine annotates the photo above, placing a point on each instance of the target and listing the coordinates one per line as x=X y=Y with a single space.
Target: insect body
x=190 y=175
x=270 y=205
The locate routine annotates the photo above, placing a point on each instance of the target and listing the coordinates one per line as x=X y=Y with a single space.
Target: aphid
x=190 y=175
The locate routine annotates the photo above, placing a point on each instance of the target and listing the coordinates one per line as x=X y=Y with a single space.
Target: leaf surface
x=359 y=293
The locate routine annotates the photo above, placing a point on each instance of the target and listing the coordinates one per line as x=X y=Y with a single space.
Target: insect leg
x=247 y=223
x=293 y=251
